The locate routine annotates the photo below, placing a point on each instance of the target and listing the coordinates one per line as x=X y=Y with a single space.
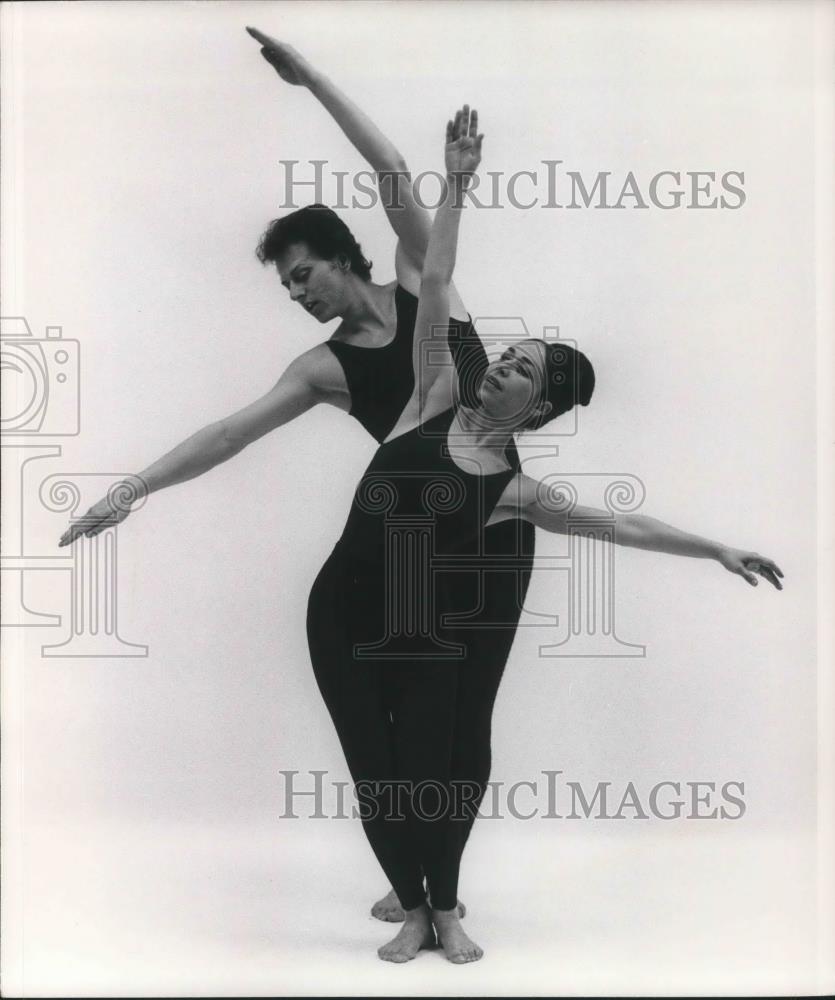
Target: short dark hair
x=569 y=381
x=322 y=230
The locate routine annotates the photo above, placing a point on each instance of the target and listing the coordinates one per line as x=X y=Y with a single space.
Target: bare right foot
x=415 y=934
x=389 y=909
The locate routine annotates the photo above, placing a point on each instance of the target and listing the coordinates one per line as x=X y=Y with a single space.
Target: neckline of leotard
x=389 y=343
x=397 y=290
x=447 y=453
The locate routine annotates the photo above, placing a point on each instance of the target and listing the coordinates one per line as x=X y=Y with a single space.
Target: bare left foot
x=416 y=933
x=458 y=948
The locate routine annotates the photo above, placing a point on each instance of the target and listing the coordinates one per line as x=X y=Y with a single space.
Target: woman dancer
x=365 y=369
x=396 y=719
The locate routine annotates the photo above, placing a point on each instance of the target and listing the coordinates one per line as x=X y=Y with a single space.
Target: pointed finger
x=449 y=134
x=456 y=126
x=259 y=36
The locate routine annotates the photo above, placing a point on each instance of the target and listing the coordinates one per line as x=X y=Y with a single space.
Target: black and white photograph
x=417 y=504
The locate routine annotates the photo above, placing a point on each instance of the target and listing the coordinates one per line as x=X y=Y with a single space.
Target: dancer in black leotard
x=395 y=714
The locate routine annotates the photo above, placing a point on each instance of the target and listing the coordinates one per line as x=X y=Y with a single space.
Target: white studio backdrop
x=151 y=139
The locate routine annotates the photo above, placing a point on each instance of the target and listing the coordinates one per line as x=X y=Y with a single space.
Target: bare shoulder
x=320 y=370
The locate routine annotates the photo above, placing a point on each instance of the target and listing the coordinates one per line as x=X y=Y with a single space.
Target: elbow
x=395 y=162
x=435 y=279
x=391 y=161
x=227 y=442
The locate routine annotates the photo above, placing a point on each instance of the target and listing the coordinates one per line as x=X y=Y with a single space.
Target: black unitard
x=389 y=665
x=380 y=382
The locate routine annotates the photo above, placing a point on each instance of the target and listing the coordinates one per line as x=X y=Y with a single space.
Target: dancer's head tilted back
x=317 y=259
x=535 y=381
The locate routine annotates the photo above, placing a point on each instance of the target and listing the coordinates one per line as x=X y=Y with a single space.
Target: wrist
x=134 y=488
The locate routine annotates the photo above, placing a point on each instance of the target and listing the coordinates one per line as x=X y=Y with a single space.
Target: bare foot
x=416 y=933
x=389 y=909
x=458 y=948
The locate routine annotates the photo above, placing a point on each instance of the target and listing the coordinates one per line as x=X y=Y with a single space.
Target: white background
x=150 y=139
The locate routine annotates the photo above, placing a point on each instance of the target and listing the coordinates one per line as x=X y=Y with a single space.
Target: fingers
x=260 y=37
x=771 y=576
x=450 y=134
x=465 y=124
x=767 y=569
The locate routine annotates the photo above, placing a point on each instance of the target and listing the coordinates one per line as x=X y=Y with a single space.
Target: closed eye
x=521 y=365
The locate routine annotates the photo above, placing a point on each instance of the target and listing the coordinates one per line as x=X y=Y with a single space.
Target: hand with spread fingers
x=462 y=153
x=292 y=67
x=749 y=564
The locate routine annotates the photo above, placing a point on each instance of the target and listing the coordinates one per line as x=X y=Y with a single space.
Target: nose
x=296 y=291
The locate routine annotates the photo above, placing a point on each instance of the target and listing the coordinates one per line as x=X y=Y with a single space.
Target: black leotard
x=390 y=668
x=380 y=379
x=487 y=604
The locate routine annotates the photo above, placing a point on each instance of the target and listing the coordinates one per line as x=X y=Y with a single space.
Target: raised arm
x=431 y=358
x=528 y=499
x=306 y=381
x=410 y=221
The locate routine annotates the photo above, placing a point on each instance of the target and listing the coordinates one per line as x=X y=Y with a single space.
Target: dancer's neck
x=366 y=309
x=477 y=429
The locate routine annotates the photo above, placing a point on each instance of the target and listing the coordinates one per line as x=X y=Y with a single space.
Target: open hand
x=749 y=564
x=462 y=153
x=108 y=512
x=289 y=64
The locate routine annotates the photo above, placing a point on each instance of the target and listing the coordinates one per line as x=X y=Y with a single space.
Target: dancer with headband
x=447 y=459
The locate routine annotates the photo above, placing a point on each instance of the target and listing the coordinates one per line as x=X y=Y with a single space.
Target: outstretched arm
x=303 y=384
x=526 y=498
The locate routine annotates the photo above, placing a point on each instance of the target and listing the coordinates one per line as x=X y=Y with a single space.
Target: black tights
x=415 y=732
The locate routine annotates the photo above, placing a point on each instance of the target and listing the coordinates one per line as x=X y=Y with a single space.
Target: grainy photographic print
x=417 y=498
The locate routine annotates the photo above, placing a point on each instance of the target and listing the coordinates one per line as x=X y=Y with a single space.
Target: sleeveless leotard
x=384 y=710
x=388 y=665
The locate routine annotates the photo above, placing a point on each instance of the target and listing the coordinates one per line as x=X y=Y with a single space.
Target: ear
x=342 y=262
x=542 y=410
